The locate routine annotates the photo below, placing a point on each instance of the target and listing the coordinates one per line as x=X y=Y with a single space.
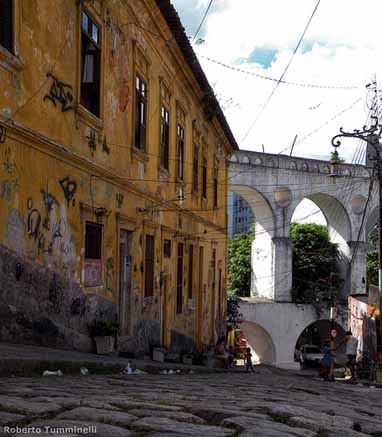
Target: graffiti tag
x=59 y=92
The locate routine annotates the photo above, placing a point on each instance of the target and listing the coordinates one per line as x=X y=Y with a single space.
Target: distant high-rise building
x=240 y=215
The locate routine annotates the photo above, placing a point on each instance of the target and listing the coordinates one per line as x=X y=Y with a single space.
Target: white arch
x=260 y=341
x=262 y=278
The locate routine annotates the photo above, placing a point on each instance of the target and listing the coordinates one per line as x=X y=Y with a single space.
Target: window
x=6 y=24
x=216 y=190
x=204 y=178
x=195 y=169
x=179 y=280
x=190 y=270
x=140 y=113
x=149 y=266
x=165 y=138
x=90 y=65
x=167 y=248
x=180 y=153
x=93 y=255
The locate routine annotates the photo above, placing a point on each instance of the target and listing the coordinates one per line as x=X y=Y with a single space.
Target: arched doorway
x=260 y=342
x=314 y=337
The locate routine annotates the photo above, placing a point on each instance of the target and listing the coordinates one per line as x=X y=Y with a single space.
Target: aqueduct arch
x=274 y=185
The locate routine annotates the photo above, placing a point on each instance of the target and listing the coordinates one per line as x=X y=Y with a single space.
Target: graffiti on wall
x=10 y=184
x=93 y=272
x=14 y=230
x=69 y=187
x=60 y=92
x=3 y=134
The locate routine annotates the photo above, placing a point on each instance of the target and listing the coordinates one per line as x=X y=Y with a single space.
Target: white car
x=309 y=355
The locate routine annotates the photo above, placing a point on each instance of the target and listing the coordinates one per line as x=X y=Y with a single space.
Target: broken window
x=6 y=24
x=195 y=169
x=93 y=255
x=140 y=113
x=165 y=138
x=180 y=153
x=179 y=280
x=149 y=266
x=90 y=65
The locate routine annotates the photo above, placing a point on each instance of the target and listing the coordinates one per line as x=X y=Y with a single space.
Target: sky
x=339 y=55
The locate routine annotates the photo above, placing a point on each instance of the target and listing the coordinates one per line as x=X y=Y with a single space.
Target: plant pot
x=105 y=344
x=378 y=375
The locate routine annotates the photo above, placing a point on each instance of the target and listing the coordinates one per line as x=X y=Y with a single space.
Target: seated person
x=221 y=352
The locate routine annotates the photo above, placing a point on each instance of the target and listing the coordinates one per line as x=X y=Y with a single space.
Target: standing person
x=327 y=362
x=351 y=353
x=248 y=360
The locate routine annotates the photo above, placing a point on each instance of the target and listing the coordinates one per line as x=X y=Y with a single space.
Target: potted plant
x=335 y=161
x=378 y=372
x=104 y=332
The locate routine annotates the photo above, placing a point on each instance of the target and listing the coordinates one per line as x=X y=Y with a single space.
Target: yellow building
x=113 y=177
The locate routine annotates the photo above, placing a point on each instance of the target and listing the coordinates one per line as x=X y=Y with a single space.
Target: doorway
x=125 y=250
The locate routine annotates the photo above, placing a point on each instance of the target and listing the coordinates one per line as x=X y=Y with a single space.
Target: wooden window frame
x=180 y=152
x=179 y=278
x=140 y=126
x=94 y=263
x=191 y=256
x=195 y=169
x=204 y=178
x=7 y=32
x=165 y=138
x=149 y=272
x=93 y=106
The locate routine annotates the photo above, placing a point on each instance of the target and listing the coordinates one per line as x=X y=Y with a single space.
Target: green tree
x=234 y=317
x=372 y=267
x=239 y=264
x=315 y=263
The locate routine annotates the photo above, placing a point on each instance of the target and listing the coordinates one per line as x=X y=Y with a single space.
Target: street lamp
x=371 y=136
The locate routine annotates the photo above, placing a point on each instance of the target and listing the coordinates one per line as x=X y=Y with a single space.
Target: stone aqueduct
x=274 y=185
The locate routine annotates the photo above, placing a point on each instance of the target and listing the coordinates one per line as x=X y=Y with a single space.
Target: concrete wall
x=283 y=323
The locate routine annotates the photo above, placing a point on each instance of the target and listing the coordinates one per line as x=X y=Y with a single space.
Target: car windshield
x=312 y=350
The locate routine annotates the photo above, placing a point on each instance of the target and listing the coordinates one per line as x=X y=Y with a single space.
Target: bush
x=103 y=328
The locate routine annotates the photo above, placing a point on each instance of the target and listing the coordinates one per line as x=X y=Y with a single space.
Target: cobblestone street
x=269 y=403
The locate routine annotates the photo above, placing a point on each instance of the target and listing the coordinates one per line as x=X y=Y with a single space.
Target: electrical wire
x=264 y=106
x=203 y=20
x=273 y=79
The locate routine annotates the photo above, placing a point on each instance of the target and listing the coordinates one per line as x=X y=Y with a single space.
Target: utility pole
x=372 y=136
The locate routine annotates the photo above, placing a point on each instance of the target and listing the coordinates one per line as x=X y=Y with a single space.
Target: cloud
x=341 y=48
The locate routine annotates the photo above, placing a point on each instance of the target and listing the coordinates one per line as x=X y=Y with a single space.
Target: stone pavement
x=268 y=403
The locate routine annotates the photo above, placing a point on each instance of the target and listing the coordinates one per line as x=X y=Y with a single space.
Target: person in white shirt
x=351 y=352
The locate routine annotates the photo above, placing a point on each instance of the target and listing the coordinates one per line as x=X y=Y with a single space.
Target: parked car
x=309 y=355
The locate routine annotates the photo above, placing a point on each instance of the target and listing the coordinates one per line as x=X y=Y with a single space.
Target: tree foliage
x=315 y=263
x=372 y=267
x=234 y=317
x=239 y=264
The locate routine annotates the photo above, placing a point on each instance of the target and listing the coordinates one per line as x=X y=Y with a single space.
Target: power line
x=283 y=74
x=203 y=19
x=273 y=79
x=323 y=125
